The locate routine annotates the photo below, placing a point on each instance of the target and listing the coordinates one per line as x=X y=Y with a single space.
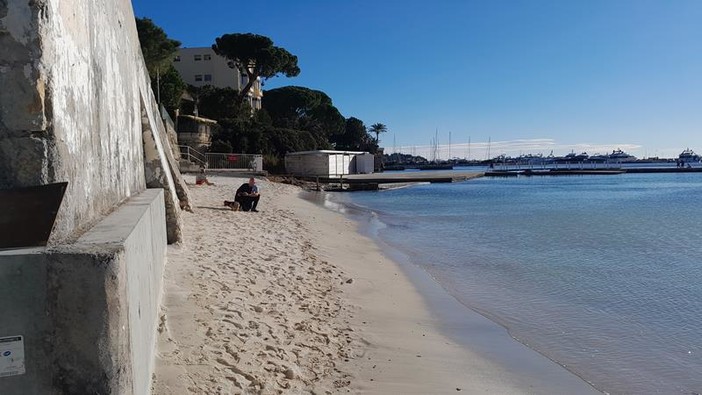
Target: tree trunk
x=245 y=91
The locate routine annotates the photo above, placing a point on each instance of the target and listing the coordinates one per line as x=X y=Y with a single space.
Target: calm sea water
x=600 y=273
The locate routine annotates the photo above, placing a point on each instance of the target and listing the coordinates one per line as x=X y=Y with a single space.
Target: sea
x=601 y=274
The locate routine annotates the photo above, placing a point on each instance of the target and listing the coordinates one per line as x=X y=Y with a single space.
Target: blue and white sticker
x=11 y=356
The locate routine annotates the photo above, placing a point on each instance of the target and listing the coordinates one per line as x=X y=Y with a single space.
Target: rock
x=290 y=374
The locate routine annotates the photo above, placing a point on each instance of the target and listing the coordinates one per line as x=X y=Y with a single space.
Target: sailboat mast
x=436 y=145
x=449 y=158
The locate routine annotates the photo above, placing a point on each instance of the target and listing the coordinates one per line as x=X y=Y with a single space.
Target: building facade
x=202 y=66
x=195 y=132
x=327 y=163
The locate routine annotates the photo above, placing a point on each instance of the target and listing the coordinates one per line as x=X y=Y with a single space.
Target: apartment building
x=202 y=66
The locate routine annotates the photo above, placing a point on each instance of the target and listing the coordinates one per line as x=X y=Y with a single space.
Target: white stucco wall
x=326 y=163
x=79 y=112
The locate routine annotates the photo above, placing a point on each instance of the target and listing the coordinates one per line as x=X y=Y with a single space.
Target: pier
x=665 y=170
x=375 y=181
x=356 y=182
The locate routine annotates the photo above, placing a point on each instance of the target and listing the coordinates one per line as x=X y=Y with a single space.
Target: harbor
x=586 y=171
x=390 y=179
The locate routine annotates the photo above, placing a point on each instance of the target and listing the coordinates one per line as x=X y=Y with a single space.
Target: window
x=208 y=77
x=197 y=57
x=198 y=77
x=207 y=57
x=176 y=58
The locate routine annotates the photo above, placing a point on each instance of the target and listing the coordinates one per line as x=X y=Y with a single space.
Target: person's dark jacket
x=245 y=188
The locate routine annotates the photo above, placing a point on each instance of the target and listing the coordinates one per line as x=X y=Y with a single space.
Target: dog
x=234 y=206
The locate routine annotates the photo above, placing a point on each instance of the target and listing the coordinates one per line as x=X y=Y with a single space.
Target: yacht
x=573 y=158
x=689 y=156
x=620 y=156
x=599 y=158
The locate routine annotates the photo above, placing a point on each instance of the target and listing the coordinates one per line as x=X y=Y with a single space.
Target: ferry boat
x=689 y=156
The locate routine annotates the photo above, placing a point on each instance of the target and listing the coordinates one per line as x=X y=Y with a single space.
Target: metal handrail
x=192 y=155
x=220 y=160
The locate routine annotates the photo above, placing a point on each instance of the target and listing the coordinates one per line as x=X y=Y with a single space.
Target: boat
x=689 y=156
x=618 y=155
x=530 y=159
x=573 y=158
x=599 y=158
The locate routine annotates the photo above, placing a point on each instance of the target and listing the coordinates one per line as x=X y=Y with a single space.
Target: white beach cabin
x=327 y=163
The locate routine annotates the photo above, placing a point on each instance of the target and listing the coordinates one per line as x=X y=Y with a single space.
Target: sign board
x=11 y=356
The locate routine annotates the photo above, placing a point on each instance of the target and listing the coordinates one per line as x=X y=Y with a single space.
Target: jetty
x=374 y=181
x=665 y=170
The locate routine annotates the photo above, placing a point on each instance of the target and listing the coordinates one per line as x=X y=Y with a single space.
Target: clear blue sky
x=530 y=76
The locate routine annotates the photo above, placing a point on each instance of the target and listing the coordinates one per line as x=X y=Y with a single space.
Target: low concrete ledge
x=88 y=311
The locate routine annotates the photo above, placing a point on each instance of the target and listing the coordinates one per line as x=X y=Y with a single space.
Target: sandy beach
x=294 y=299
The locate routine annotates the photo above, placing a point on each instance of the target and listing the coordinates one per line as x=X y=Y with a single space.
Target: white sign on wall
x=11 y=356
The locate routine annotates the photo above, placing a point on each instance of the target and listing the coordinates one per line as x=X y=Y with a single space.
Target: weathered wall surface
x=156 y=154
x=72 y=84
x=73 y=88
x=88 y=311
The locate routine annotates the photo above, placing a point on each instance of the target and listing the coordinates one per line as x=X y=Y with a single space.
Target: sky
x=491 y=76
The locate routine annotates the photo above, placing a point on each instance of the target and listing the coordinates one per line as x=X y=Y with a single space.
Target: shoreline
x=465 y=326
x=296 y=298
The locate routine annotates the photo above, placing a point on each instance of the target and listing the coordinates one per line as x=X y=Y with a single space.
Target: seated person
x=201 y=178
x=247 y=196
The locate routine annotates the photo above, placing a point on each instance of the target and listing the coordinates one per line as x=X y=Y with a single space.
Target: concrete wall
x=76 y=105
x=88 y=311
x=72 y=84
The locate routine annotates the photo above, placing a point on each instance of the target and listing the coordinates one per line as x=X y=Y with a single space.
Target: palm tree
x=378 y=128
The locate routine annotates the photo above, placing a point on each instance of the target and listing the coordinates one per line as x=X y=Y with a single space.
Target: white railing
x=216 y=160
x=222 y=161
